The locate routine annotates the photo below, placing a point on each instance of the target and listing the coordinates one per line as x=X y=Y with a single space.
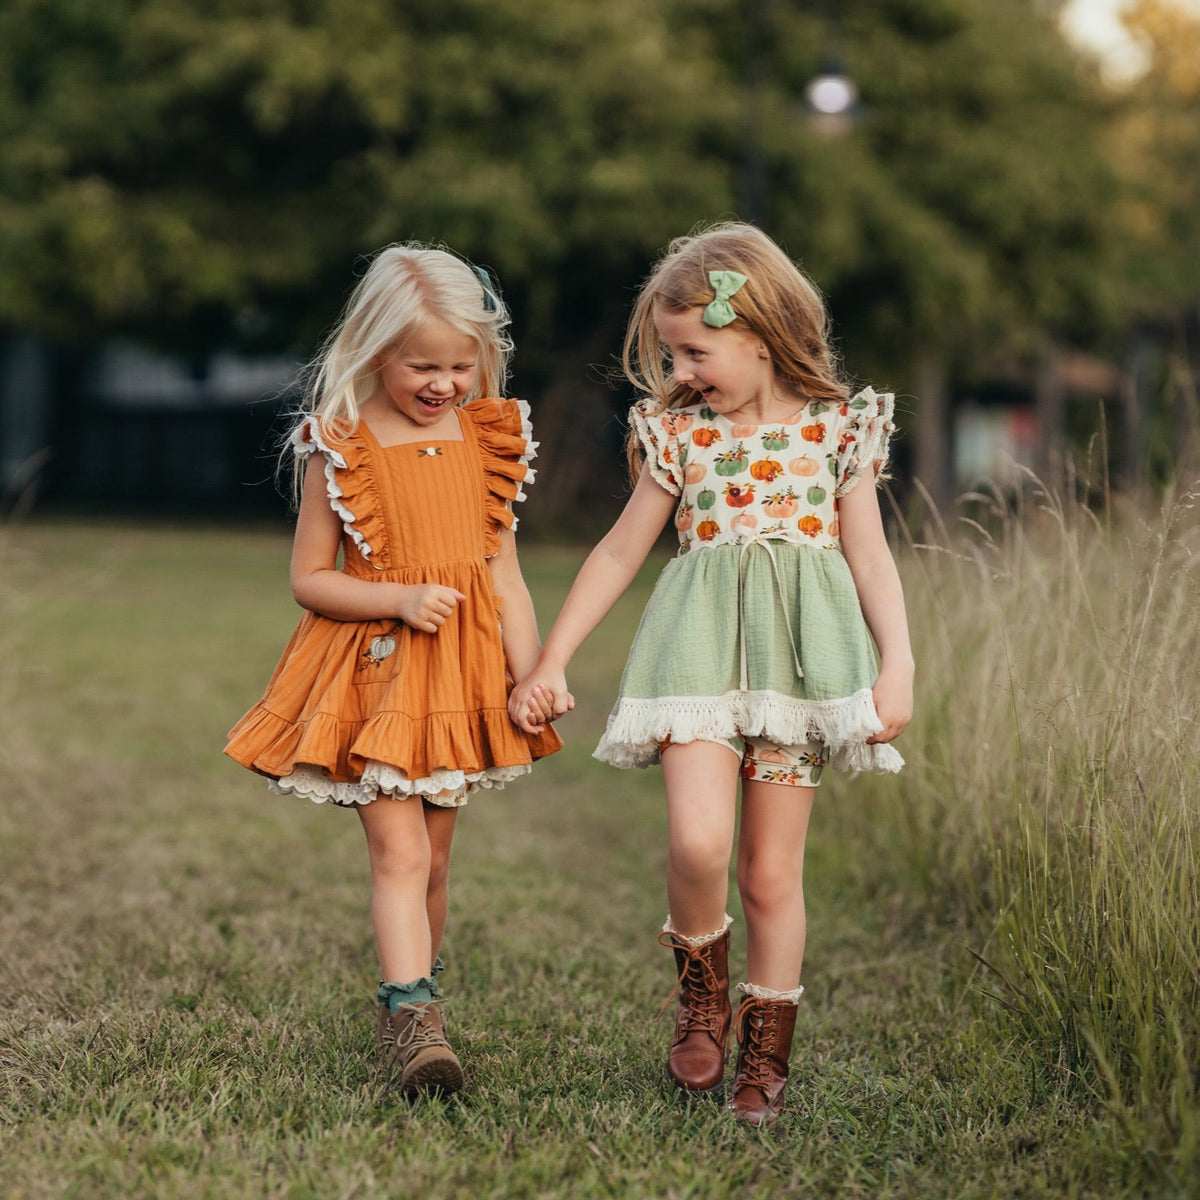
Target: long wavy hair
x=778 y=303
x=404 y=287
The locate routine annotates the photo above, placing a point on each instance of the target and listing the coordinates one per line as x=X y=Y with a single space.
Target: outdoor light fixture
x=832 y=94
x=831 y=99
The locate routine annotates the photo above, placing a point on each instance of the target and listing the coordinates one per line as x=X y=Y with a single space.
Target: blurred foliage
x=1154 y=138
x=205 y=172
x=209 y=170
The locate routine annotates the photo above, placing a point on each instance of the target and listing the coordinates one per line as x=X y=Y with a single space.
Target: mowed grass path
x=187 y=970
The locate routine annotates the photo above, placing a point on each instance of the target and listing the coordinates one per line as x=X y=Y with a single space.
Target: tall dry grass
x=1053 y=805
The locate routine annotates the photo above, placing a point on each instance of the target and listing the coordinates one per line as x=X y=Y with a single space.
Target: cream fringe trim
x=637 y=727
x=445 y=788
x=762 y=993
x=703 y=939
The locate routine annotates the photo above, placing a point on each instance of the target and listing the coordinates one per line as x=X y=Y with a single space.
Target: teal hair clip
x=719 y=312
x=491 y=289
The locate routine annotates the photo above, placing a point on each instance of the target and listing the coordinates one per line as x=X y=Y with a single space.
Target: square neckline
x=426 y=441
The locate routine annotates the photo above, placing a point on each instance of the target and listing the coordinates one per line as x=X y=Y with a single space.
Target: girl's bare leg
x=701 y=780
x=770 y=873
x=439 y=824
x=398 y=845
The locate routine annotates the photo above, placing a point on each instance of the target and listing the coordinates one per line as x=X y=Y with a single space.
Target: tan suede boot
x=764 y=1034
x=385 y=1026
x=427 y=1064
x=696 y=1059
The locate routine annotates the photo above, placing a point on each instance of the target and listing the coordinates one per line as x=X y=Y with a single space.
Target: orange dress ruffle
x=359 y=709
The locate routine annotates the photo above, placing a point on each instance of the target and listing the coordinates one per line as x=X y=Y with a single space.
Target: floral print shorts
x=765 y=762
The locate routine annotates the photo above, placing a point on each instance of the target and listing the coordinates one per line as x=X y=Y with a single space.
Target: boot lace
x=756 y=1034
x=703 y=1011
x=423 y=1030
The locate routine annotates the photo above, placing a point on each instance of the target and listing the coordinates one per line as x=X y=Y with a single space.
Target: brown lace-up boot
x=764 y=1034
x=427 y=1064
x=696 y=1060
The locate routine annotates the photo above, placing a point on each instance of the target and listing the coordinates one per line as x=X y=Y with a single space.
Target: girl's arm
x=603 y=578
x=319 y=586
x=518 y=622
x=879 y=592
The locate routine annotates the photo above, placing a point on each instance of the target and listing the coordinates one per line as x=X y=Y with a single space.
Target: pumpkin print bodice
x=755 y=628
x=737 y=483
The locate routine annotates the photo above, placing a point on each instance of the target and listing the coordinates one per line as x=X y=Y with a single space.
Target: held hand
x=540 y=697
x=893 y=696
x=425 y=606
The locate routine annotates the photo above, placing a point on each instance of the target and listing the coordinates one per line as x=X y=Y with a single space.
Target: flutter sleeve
x=865 y=438
x=506 y=447
x=659 y=444
x=350 y=485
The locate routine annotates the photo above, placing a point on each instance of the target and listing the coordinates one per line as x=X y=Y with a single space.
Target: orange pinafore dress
x=361 y=709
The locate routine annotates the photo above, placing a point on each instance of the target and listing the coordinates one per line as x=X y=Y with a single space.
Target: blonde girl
x=774 y=644
x=390 y=698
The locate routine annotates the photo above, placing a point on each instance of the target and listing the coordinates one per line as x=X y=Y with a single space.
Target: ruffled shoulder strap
x=350 y=484
x=506 y=446
x=865 y=438
x=657 y=432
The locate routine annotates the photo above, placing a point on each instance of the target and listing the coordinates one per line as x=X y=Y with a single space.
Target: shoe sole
x=440 y=1075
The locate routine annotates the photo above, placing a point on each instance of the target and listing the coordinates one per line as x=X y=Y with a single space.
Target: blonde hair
x=404 y=287
x=778 y=303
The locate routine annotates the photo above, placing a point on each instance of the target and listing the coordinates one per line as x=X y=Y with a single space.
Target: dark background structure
x=187 y=189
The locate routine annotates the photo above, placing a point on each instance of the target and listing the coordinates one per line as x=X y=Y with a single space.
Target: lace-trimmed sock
x=763 y=993
x=704 y=939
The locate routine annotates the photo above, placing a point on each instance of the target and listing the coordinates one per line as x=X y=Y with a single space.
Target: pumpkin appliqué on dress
x=382 y=646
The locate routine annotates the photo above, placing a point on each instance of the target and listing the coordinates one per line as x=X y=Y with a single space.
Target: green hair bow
x=491 y=289
x=719 y=312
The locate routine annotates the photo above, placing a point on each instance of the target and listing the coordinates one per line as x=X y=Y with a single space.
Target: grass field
x=1004 y=960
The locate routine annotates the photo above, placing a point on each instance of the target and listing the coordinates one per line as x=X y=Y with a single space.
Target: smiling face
x=729 y=369
x=428 y=374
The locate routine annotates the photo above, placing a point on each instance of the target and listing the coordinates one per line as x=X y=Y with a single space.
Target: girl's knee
x=698 y=860
x=398 y=857
x=766 y=889
x=439 y=868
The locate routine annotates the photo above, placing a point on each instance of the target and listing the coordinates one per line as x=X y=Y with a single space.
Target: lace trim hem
x=445 y=788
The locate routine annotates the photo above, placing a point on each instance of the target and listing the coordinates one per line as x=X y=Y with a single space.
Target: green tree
x=1154 y=140
x=169 y=166
x=967 y=218
x=201 y=172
